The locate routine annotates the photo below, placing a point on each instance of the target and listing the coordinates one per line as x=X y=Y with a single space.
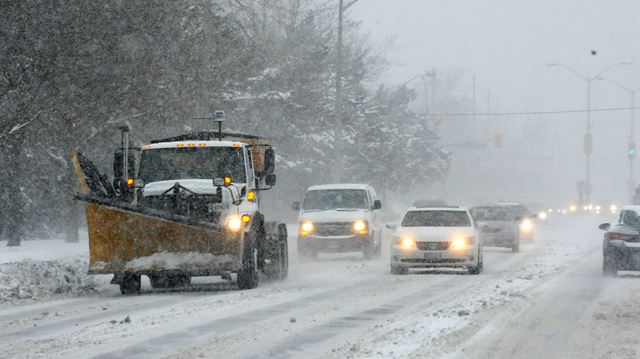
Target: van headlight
x=360 y=227
x=306 y=228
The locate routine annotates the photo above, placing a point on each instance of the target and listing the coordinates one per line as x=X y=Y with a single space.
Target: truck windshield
x=165 y=164
x=436 y=219
x=492 y=214
x=335 y=199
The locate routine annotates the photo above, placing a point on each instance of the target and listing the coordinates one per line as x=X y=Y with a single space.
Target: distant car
x=621 y=243
x=498 y=226
x=340 y=218
x=436 y=237
x=525 y=218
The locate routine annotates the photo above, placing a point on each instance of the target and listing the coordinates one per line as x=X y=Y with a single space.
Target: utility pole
x=428 y=99
x=338 y=140
x=474 y=125
x=588 y=139
x=631 y=147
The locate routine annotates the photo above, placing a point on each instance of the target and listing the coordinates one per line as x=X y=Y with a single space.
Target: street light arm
x=619 y=85
x=609 y=68
x=570 y=70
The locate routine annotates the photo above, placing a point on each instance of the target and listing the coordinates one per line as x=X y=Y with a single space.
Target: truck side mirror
x=218 y=182
x=270 y=180
x=138 y=183
x=296 y=206
x=377 y=204
x=269 y=161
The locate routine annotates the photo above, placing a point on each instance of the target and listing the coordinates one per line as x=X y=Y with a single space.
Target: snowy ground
x=549 y=300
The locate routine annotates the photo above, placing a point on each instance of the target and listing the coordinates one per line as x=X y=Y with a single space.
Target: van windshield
x=436 y=219
x=335 y=199
x=165 y=164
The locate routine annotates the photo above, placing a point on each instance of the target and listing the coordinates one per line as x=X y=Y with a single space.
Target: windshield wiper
x=347 y=209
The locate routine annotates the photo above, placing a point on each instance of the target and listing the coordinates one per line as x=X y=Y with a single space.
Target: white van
x=339 y=218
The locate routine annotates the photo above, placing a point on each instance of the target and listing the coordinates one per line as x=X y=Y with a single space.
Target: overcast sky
x=507 y=44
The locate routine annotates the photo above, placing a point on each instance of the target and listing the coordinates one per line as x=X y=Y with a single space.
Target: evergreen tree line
x=72 y=72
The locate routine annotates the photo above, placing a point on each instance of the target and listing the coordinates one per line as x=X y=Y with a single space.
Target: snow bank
x=29 y=279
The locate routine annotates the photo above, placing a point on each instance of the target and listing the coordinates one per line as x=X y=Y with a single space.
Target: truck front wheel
x=248 y=275
x=130 y=284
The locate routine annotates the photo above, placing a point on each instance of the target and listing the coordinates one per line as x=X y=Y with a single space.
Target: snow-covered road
x=549 y=300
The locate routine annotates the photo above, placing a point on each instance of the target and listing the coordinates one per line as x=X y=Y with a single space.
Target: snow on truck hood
x=334 y=215
x=435 y=233
x=199 y=186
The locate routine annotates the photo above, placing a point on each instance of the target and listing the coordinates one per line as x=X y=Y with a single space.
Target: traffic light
x=631 y=150
x=498 y=140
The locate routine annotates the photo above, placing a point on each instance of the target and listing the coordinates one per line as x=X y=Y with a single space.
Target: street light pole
x=588 y=140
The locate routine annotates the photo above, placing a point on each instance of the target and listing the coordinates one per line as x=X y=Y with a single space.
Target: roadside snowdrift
x=29 y=279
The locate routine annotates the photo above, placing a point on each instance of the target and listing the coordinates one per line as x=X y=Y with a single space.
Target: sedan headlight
x=405 y=242
x=461 y=243
x=306 y=228
x=526 y=225
x=360 y=227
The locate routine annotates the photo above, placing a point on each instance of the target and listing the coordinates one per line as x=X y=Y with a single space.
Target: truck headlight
x=234 y=223
x=306 y=228
x=360 y=227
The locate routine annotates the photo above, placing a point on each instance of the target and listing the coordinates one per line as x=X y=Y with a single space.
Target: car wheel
x=516 y=247
x=609 y=268
x=399 y=270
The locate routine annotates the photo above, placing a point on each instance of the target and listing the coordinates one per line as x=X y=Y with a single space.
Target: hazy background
x=507 y=45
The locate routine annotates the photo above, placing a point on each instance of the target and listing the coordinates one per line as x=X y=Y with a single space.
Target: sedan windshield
x=335 y=199
x=192 y=163
x=436 y=219
x=492 y=214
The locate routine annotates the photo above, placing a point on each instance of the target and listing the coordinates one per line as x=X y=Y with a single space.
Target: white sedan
x=436 y=237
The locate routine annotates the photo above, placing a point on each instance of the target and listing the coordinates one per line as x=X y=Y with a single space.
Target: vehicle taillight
x=618 y=236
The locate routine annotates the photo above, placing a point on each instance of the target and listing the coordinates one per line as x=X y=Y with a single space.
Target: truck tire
x=130 y=284
x=516 y=247
x=609 y=267
x=276 y=251
x=283 y=238
x=248 y=275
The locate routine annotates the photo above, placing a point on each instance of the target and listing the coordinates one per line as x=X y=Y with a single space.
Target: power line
x=609 y=109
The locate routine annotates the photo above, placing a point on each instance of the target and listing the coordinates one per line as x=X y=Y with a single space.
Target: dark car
x=621 y=243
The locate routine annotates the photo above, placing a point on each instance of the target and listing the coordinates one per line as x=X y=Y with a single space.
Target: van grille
x=329 y=229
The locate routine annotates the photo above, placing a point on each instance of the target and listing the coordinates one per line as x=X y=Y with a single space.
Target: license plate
x=432 y=255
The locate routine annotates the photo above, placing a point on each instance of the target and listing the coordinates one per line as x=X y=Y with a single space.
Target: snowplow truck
x=181 y=207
